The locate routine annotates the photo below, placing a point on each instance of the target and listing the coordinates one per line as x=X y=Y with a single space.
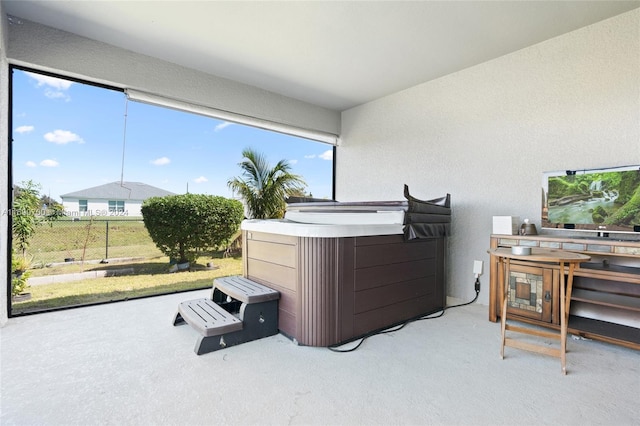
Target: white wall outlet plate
x=477 y=267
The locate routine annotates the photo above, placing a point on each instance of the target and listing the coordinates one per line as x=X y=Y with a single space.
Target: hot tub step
x=209 y=318
x=239 y=311
x=244 y=290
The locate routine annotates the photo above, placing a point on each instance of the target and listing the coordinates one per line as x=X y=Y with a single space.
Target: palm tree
x=263 y=188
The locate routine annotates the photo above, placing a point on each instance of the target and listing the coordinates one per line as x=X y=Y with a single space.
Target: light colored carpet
x=125 y=364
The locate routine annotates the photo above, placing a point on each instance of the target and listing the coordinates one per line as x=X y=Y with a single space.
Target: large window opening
x=86 y=157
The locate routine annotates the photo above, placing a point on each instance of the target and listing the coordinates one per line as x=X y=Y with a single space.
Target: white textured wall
x=487 y=133
x=45 y=48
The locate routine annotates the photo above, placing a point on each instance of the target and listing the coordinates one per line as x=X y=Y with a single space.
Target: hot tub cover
x=427 y=218
x=415 y=218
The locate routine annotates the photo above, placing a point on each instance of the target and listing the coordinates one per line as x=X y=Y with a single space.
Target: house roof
x=119 y=191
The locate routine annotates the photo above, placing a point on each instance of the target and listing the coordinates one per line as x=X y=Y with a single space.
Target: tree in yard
x=24 y=220
x=27 y=213
x=51 y=204
x=264 y=189
x=182 y=225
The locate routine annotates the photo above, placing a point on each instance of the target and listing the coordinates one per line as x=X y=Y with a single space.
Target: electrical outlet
x=477 y=267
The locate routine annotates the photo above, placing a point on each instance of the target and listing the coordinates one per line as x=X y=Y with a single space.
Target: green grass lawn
x=150 y=277
x=125 y=244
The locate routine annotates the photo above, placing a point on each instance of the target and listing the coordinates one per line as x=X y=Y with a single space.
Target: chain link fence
x=89 y=240
x=66 y=255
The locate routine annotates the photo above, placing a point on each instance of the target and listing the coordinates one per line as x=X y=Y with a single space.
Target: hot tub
x=354 y=213
x=339 y=281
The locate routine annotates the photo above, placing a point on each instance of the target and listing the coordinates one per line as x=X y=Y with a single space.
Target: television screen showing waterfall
x=601 y=200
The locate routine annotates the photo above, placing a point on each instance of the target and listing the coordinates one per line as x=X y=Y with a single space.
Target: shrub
x=182 y=225
x=19 y=274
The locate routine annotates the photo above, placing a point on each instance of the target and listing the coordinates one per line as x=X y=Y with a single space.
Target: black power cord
x=438 y=314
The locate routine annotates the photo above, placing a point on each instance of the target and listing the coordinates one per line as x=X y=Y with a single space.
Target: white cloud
x=160 y=161
x=201 y=179
x=222 y=126
x=45 y=80
x=24 y=129
x=54 y=87
x=62 y=137
x=49 y=163
x=30 y=164
x=327 y=155
x=292 y=162
x=56 y=94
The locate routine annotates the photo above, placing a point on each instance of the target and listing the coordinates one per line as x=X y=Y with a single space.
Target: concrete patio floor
x=125 y=364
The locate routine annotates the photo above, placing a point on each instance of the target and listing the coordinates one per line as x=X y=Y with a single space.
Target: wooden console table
x=606 y=290
x=538 y=255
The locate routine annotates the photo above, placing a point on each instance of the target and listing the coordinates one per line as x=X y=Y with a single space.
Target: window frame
x=116 y=206
x=119 y=204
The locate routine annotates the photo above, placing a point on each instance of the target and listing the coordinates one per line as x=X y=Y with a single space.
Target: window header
x=148 y=98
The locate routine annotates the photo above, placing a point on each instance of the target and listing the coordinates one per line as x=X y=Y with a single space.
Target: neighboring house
x=111 y=199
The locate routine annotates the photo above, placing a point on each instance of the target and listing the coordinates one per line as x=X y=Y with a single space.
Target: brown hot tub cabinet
x=344 y=270
x=338 y=288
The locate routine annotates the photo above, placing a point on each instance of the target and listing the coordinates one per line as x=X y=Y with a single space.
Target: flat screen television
x=601 y=200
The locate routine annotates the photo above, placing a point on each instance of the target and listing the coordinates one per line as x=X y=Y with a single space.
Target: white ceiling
x=335 y=54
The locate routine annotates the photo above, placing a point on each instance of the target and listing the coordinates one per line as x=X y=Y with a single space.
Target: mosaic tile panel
x=628 y=250
x=525 y=291
x=550 y=244
x=528 y=243
x=599 y=247
x=573 y=246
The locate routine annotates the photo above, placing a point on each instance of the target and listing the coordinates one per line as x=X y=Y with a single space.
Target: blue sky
x=70 y=136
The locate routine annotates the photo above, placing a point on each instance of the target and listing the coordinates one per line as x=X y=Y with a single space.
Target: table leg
x=505 y=267
x=563 y=320
x=567 y=308
x=569 y=288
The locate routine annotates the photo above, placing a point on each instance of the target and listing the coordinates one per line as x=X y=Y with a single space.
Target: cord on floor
x=434 y=315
